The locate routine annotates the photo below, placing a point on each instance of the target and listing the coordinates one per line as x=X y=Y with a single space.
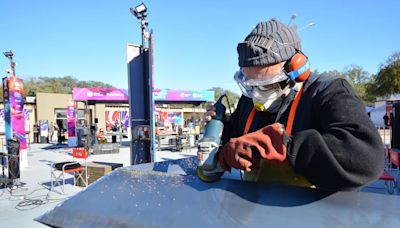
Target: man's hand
x=244 y=152
x=210 y=112
x=236 y=154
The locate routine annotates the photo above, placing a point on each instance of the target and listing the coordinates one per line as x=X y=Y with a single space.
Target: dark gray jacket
x=333 y=144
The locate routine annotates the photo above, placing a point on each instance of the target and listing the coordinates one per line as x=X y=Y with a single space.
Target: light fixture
x=8 y=54
x=311 y=24
x=292 y=18
x=141 y=8
x=139 y=11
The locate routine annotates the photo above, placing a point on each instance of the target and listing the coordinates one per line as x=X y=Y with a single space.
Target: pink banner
x=16 y=99
x=100 y=94
x=71 y=118
x=112 y=94
x=2 y=120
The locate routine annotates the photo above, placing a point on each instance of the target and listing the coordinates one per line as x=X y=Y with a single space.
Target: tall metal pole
x=140 y=94
x=144 y=26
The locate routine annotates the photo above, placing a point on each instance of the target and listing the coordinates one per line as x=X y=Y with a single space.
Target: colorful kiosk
x=93 y=96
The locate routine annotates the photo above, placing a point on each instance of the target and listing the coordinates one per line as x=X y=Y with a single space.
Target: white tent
x=378 y=112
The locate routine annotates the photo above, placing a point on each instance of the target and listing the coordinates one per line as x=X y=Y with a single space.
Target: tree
x=58 y=85
x=332 y=73
x=360 y=80
x=356 y=75
x=387 y=81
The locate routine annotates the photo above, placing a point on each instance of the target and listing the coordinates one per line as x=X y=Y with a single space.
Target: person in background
x=36 y=132
x=115 y=131
x=93 y=132
x=386 y=120
x=197 y=131
x=61 y=132
x=55 y=133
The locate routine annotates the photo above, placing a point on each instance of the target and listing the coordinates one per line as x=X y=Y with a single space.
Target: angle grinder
x=208 y=168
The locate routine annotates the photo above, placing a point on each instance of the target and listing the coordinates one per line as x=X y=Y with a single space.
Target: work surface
x=168 y=194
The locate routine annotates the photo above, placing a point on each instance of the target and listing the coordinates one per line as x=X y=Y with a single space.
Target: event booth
x=169 y=115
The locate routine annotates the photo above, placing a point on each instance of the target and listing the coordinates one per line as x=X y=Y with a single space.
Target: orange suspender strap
x=249 y=121
x=290 y=120
x=293 y=109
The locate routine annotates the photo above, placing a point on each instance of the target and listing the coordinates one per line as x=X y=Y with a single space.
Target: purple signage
x=100 y=94
x=112 y=94
x=183 y=95
x=14 y=108
x=71 y=118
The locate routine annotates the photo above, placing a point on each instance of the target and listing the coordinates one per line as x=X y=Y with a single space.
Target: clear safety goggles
x=260 y=80
x=248 y=85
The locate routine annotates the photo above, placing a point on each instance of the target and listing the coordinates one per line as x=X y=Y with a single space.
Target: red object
x=386 y=176
x=292 y=112
x=296 y=62
x=79 y=153
x=249 y=121
x=394 y=157
x=268 y=141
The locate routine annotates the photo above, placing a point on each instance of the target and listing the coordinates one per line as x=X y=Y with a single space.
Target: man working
x=291 y=127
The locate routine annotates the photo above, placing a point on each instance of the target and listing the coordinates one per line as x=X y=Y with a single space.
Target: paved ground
x=20 y=206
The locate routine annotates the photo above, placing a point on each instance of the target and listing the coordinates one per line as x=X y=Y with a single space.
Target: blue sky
x=195 y=41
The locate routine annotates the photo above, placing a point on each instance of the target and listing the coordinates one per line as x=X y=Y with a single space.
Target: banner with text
x=71 y=119
x=121 y=95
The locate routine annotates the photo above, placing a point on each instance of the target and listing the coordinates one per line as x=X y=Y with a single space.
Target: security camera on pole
x=141 y=102
x=14 y=120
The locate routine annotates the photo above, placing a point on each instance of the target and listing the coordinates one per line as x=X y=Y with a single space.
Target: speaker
x=13 y=159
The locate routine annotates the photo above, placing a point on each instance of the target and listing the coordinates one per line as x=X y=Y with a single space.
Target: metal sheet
x=168 y=194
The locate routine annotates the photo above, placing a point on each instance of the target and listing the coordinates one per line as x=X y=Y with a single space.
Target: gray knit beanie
x=270 y=42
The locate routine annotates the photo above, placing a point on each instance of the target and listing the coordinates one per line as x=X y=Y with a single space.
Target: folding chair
x=394 y=158
x=390 y=180
x=76 y=169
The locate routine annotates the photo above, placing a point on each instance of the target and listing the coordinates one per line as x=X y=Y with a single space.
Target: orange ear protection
x=298 y=67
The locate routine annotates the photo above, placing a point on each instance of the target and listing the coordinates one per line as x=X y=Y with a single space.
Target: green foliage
x=58 y=85
x=356 y=75
x=232 y=97
x=62 y=85
x=358 y=78
x=387 y=81
x=332 y=73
